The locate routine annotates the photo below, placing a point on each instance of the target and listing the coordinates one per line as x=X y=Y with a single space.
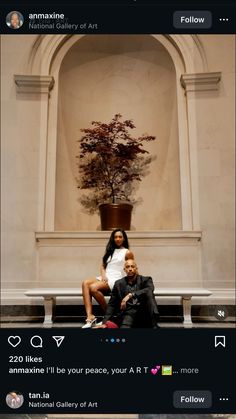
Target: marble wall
x=23 y=158
x=216 y=166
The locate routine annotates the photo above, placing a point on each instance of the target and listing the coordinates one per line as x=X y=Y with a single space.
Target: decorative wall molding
x=46 y=48
x=34 y=84
x=197 y=82
x=136 y=238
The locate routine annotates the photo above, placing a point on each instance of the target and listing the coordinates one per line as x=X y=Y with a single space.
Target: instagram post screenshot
x=117 y=209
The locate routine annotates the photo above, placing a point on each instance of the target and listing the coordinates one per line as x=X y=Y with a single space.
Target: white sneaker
x=99 y=324
x=89 y=323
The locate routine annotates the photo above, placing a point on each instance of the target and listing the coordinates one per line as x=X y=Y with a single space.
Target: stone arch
x=46 y=49
x=188 y=57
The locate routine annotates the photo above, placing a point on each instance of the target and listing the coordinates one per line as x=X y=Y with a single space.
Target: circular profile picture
x=14 y=399
x=14 y=20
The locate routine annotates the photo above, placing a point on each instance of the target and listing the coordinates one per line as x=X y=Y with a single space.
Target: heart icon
x=158 y=367
x=14 y=340
x=154 y=371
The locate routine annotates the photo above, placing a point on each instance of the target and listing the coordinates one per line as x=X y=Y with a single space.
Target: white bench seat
x=50 y=294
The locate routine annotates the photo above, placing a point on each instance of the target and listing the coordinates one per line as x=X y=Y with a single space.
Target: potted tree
x=111 y=162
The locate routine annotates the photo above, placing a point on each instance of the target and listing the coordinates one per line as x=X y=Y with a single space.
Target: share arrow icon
x=58 y=340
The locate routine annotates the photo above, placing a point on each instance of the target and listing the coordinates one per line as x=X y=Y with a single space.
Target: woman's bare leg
x=87 y=297
x=97 y=290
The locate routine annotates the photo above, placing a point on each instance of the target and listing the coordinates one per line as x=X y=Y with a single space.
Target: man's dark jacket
x=144 y=284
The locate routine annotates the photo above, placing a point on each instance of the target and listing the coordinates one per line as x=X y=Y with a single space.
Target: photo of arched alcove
x=99 y=77
x=176 y=87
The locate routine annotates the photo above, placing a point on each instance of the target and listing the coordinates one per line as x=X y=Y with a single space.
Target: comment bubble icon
x=36 y=341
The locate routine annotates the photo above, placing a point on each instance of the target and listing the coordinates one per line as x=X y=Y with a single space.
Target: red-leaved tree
x=111 y=162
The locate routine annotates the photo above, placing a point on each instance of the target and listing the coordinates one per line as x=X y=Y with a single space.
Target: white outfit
x=115 y=267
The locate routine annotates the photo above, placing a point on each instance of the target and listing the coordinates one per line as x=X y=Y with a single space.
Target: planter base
x=115 y=216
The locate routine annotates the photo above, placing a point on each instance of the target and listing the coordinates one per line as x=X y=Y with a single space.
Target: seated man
x=132 y=300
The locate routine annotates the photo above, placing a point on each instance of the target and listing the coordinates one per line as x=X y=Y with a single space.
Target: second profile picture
x=14 y=399
x=14 y=19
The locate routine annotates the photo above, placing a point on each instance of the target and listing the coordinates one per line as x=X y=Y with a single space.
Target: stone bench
x=50 y=294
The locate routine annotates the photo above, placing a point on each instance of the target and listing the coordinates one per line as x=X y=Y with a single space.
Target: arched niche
x=133 y=75
x=188 y=59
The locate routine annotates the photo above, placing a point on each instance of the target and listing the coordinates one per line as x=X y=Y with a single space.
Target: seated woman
x=117 y=251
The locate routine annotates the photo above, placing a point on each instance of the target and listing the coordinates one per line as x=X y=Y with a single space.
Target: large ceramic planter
x=115 y=216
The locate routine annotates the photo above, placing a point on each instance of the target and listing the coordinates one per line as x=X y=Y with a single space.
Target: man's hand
x=124 y=301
